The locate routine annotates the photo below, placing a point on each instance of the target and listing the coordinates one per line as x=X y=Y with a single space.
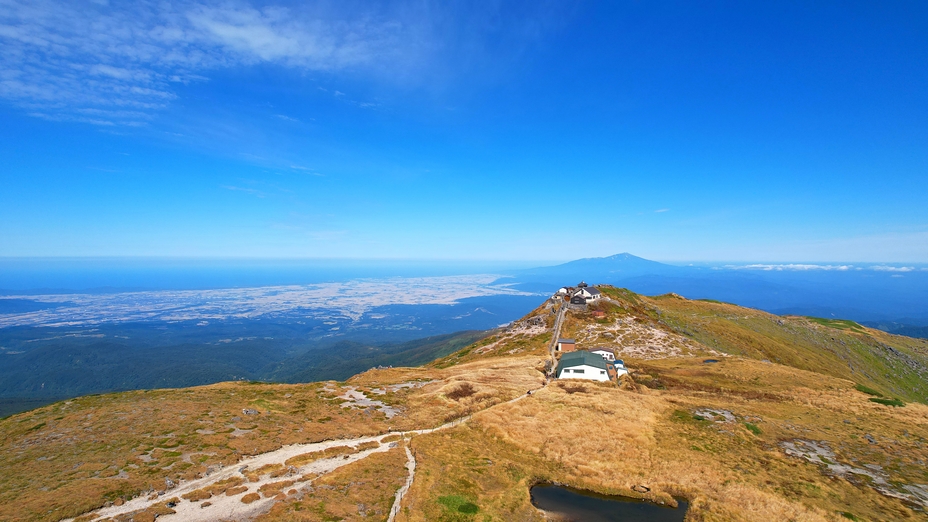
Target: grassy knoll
x=67 y=458
x=70 y=457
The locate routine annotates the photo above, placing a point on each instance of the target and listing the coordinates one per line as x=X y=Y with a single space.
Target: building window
x=578 y=371
x=602 y=372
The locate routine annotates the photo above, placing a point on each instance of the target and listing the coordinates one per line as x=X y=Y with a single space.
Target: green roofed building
x=582 y=365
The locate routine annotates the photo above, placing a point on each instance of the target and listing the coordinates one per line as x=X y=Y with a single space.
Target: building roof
x=581 y=358
x=566 y=340
x=602 y=349
x=593 y=290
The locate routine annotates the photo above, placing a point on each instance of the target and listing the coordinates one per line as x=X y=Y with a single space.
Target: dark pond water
x=584 y=506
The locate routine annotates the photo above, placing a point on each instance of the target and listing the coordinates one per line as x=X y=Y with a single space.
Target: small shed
x=605 y=353
x=582 y=365
x=565 y=345
x=577 y=299
x=620 y=368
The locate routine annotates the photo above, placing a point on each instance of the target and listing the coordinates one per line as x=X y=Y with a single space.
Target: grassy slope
x=892 y=364
x=70 y=457
x=61 y=459
x=648 y=434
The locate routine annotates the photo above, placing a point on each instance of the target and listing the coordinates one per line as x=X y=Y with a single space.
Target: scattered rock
x=640 y=488
x=715 y=415
x=249 y=411
x=819 y=452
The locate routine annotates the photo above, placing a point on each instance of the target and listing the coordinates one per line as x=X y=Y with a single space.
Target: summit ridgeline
x=743 y=414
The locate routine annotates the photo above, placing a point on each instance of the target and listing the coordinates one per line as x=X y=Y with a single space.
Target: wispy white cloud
x=798 y=267
x=305 y=169
x=885 y=268
x=119 y=64
x=788 y=267
x=660 y=210
x=253 y=192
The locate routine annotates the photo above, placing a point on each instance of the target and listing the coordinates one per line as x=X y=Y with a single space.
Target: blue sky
x=794 y=131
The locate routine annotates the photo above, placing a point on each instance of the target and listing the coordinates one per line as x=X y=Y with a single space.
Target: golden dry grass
x=68 y=458
x=72 y=457
x=610 y=440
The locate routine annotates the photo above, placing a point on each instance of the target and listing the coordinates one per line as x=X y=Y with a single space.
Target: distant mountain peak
x=596 y=270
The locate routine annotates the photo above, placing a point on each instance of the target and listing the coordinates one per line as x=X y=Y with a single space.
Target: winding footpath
x=400 y=493
x=232 y=507
x=224 y=506
x=249 y=477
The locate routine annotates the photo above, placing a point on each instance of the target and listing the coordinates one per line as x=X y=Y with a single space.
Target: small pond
x=584 y=506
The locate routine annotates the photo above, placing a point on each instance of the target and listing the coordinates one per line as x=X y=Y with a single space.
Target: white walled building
x=582 y=365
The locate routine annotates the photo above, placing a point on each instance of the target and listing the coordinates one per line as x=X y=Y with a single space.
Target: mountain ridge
x=873 y=293
x=744 y=414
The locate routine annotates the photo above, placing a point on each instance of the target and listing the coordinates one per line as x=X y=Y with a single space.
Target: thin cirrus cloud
x=107 y=65
x=796 y=267
x=789 y=267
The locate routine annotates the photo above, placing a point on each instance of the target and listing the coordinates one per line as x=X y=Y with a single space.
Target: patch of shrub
x=895 y=403
x=752 y=428
x=459 y=503
x=468 y=507
x=867 y=390
x=465 y=389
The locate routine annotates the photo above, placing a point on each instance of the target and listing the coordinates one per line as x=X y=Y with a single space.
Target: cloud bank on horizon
x=452 y=130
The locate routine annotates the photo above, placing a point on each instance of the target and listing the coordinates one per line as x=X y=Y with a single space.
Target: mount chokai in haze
x=892 y=297
x=731 y=412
